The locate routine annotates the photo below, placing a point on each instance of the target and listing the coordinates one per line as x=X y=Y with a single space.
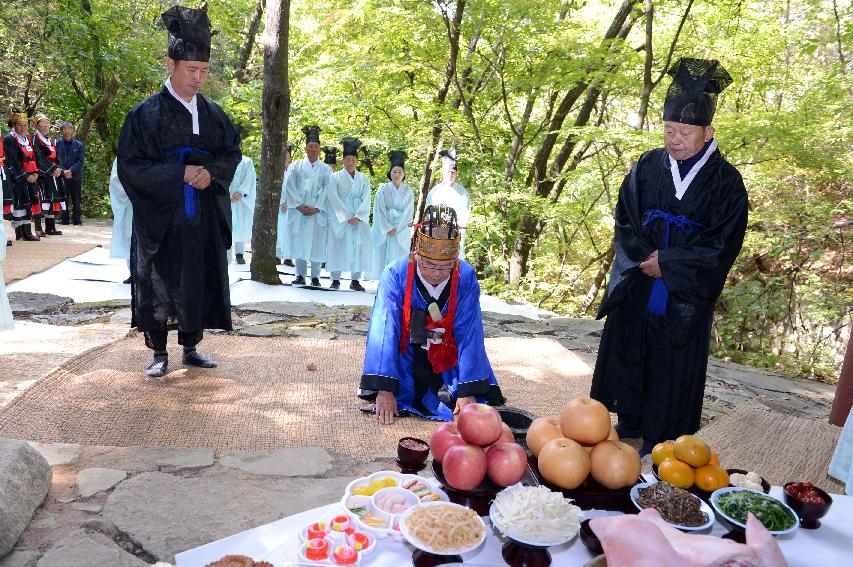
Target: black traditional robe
x=51 y=190
x=653 y=367
x=180 y=270
x=24 y=195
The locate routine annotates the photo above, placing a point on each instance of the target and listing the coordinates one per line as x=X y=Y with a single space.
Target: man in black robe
x=177 y=155
x=679 y=225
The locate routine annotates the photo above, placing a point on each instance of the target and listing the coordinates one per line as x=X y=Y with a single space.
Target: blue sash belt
x=660 y=294
x=190 y=192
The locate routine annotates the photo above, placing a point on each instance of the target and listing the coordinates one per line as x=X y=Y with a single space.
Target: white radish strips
x=535 y=514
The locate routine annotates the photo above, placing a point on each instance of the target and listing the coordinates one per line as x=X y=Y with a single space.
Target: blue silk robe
x=409 y=374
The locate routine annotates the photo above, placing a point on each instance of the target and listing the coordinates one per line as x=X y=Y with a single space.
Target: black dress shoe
x=299 y=280
x=288 y=263
x=355 y=286
x=158 y=368
x=336 y=284
x=315 y=282
x=128 y=280
x=240 y=259
x=193 y=358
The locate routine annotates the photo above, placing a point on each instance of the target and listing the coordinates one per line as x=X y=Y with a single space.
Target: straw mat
x=26 y=258
x=267 y=393
x=781 y=448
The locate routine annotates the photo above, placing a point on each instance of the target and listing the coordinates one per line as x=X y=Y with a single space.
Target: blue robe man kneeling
x=425 y=349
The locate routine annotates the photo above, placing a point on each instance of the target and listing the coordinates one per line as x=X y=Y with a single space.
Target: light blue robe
x=6 y=321
x=348 y=248
x=243 y=210
x=385 y=368
x=305 y=236
x=392 y=208
x=281 y=226
x=122 y=218
x=453 y=196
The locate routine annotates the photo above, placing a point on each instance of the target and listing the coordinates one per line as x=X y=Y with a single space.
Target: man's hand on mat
x=462 y=402
x=386 y=407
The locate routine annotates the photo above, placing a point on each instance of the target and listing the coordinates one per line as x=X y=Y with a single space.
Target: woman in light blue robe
x=393 y=211
x=122 y=219
x=242 y=190
x=281 y=227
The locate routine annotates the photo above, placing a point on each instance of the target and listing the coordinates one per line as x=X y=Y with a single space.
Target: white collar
x=191 y=106
x=434 y=290
x=681 y=185
x=23 y=139
x=43 y=138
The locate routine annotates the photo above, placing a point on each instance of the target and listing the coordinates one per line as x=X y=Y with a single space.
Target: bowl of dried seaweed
x=676 y=506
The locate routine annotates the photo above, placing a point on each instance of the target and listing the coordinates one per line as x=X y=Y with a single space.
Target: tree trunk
x=454 y=28
x=276 y=117
x=97 y=111
x=246 y=52
x=589 y=300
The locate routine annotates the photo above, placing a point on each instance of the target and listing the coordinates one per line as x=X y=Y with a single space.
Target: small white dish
x=404 y=530
x=715 y=496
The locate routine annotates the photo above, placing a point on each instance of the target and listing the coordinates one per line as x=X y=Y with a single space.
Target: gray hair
x=65 y=125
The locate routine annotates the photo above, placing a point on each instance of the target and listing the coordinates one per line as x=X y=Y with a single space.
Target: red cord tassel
x=405 y=330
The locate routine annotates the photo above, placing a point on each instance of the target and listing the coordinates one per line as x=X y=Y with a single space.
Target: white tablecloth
x=278 y=542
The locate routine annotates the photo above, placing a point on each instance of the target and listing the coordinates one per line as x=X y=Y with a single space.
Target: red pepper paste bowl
x=809 y=512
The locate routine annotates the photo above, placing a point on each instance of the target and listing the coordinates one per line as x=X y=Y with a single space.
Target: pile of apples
x=478 y=444
x=582 y=443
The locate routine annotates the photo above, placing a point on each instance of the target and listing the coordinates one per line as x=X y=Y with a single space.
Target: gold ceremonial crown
x=16 y=117
x=438 y=236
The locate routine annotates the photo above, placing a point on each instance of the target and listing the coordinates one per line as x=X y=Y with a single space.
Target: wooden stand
x=521 y=555
x=424 y=559
x=410 y=468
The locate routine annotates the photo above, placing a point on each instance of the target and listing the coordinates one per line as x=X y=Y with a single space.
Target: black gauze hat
x=189 y=33
x=448 y=158
x=692 y=96
x=312 y=134
x=351 y=146
x=330 y=155
x=397 y=159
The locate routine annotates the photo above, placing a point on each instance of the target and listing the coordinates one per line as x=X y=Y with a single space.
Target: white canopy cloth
x=279 y=542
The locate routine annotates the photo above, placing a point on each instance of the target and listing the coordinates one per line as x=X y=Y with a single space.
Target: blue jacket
x=70 y=156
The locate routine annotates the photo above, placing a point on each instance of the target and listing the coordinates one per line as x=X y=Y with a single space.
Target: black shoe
x=240 y=259
x=27 y=232
x=8 y=243
x=77 y=223
x=19 y=233
x=355 y=286
x=336 y=284
x=300 y=280
x=315 y=282
x=128 y=280
x=158 y=368
x=193 y=358
x=288 y=263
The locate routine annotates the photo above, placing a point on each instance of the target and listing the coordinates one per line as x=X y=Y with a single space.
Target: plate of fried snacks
x=443 y=528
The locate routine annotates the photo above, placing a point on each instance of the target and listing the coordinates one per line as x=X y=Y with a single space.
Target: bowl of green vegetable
x=734 y=504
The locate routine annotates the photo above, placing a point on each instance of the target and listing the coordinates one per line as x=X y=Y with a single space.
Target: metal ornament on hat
x=437 y=237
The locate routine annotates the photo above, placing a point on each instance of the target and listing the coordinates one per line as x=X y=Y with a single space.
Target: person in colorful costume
x=679 y=225
x=177 y=154
x=21 y=202
x=51 y=188
x=426 y=353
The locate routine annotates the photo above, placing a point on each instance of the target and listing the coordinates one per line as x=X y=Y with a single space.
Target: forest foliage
x=548 y=102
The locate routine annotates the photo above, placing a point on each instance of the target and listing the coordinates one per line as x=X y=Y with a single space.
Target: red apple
x=480 y=424
x=464 y=466
x=506 y=436
x=443 y=438
x=506 y=463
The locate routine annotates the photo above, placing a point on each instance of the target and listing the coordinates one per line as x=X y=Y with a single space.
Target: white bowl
x=717 y=493
x=404 y=530
x=508 y=533
x=703 y=506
